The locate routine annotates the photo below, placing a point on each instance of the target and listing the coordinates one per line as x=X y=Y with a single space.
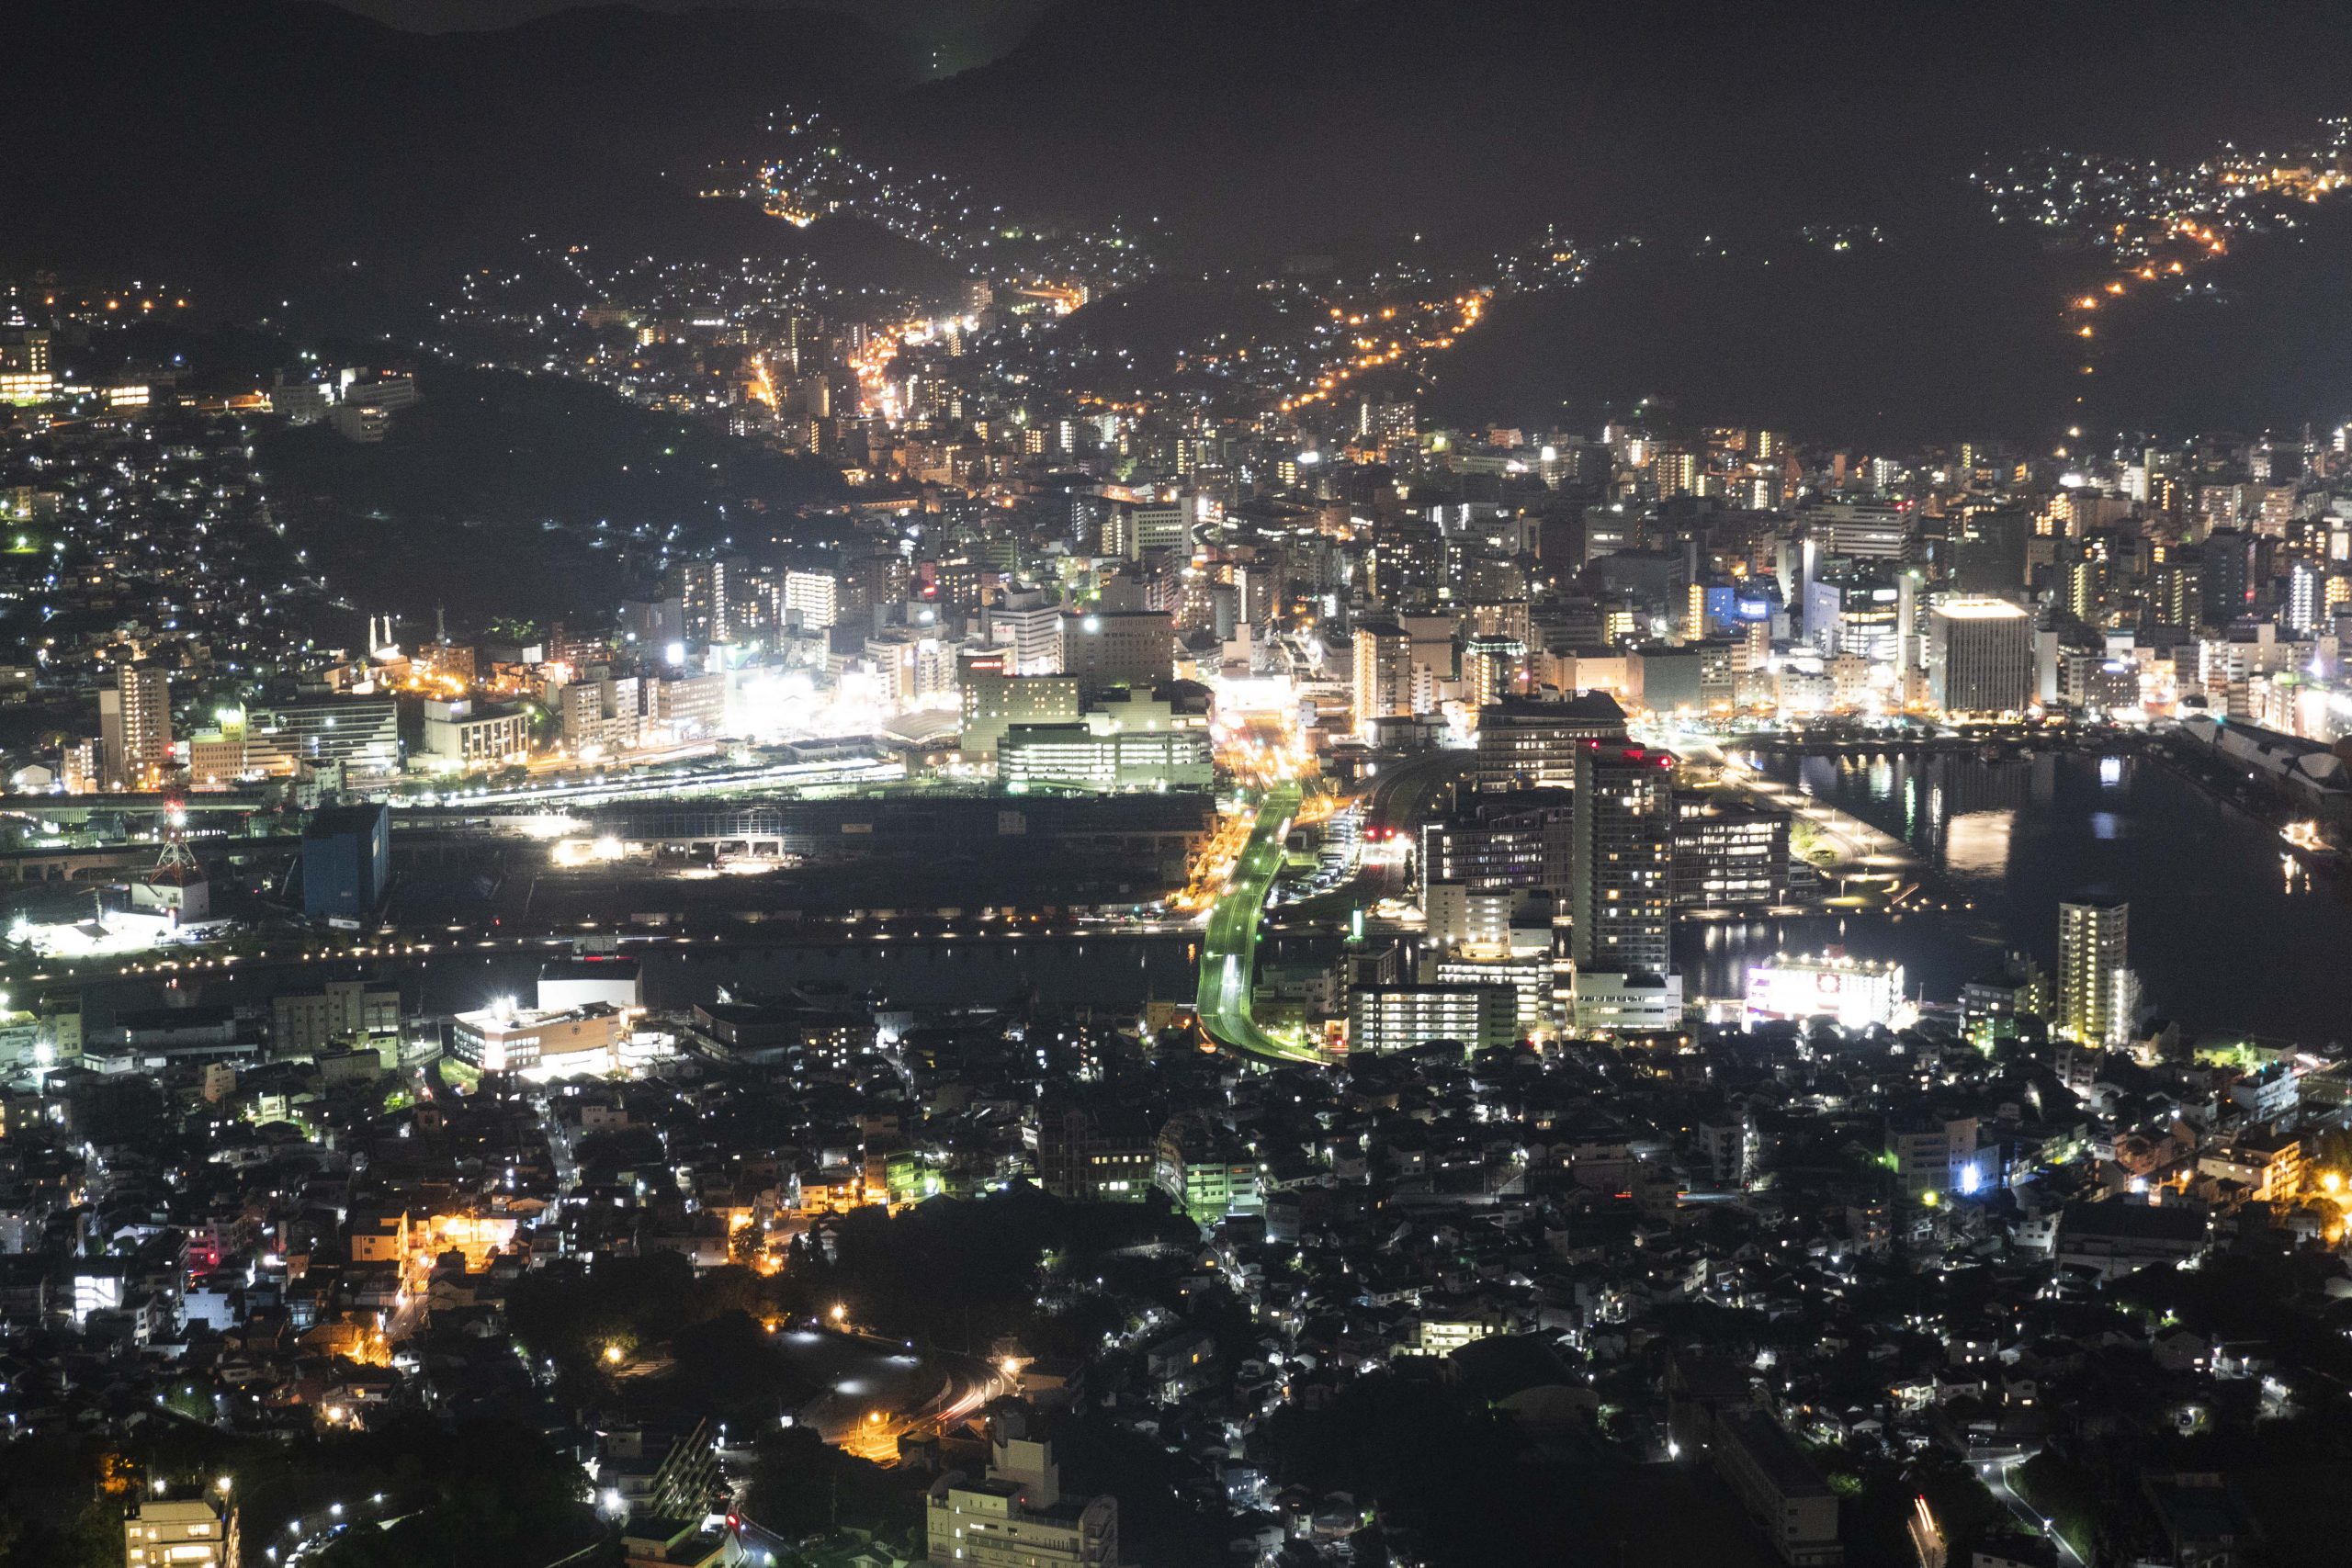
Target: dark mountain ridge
x=261 y=145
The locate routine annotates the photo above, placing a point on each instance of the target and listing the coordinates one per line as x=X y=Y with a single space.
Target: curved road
x=1399 y=796
x=1229 y=945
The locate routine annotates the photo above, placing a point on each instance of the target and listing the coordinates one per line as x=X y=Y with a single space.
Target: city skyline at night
x=1097 y=785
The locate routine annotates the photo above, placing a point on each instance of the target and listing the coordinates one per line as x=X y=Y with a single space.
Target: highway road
x=1229 y=944
x=1399 y=798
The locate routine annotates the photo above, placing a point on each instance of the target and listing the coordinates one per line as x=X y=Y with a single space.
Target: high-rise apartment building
x=1379 y=424
x=1623 y=882
x=1384 y=673
x=812 y=599
x=135 y=727
x=2097 y=993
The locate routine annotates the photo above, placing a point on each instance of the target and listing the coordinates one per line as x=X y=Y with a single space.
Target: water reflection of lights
x=1976 y=844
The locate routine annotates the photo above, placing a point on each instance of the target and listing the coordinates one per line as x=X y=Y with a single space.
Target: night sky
x=963 y=32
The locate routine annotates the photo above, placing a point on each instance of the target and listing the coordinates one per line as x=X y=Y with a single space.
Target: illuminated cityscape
x=794 y=801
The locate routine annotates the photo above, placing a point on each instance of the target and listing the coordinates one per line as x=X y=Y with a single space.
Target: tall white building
x=1017 y=1517
x=2097 y=993
x=135 y=727
x=1384 y=673
x=812 y=599
x=1030 y=624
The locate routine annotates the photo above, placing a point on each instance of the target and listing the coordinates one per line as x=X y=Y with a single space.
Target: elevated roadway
x=1229 y=945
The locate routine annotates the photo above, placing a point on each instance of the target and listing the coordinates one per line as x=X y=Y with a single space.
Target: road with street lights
x=1997 y=1481
x=1229 y=945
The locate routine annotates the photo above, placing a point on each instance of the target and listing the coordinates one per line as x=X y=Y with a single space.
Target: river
x=2227 y=934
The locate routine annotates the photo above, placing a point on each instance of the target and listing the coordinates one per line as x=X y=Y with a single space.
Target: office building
x=1935 y=1153
x=1857 y=531
x=1384 y=674
x=503 y=1038
x=1118 y=648
x=2097 y=994
x=1401 y=1017
x=1527 y=744
x=362 y=734
x=1637 y=1003
x=1728 y=855
x=461 y=736
x=1078 y=757
x=216 y=757
x=685 y=708
x=346 y=862
x=994 y=701
x=1622 y=884
x=1989 y=551
x=1016 y=1517
x=135 y=727
x=342 y=1010
x=1493 y=667
x=2227 y=576
x=1027 y=624
x=602 y=714
x=1521 y=846
x=1461 y=916
x=1980 y=657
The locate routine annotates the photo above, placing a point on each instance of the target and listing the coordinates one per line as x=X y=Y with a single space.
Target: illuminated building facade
x=2097 y=994
x=504 y=1039
x=1527 y=744
x=1400 y=1017
x=189 y=1532
x=1624 y=854
x=1980 y=657
x=1856 y=992
x=135 y=727
x=1383 y=686
x=1729 y=856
